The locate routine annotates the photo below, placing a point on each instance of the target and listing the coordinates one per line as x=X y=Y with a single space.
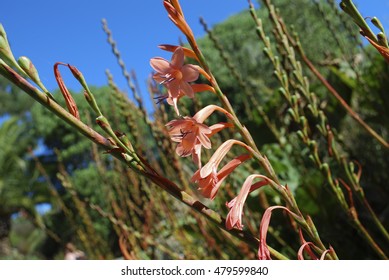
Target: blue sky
x=70 y=31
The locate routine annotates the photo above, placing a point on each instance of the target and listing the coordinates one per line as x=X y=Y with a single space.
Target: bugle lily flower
x=175 y=75
x=192 y=134
x=234 y=217
x=209 y=185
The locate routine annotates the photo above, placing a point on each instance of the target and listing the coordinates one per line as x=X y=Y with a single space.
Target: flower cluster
x=192 y=134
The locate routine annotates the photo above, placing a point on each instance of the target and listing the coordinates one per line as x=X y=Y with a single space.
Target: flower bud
x=377 y=23
x=26 y=64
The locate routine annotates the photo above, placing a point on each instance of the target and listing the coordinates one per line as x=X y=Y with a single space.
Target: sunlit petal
x=161 y=65
x=189 y=73
x=178 y=58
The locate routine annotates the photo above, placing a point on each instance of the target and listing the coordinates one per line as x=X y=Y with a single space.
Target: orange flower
x=209 y=185
x=211 y=167
x=192 y=134
x=208 y=177
x=234 y=217
x=263 y=250
x=175 y=75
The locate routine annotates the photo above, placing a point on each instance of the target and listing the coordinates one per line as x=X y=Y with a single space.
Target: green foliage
x=15 y=183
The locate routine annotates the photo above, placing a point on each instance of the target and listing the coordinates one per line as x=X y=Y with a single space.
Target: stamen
x=184 y=153
x=181 y=135
x=161 y=98
x=168 y=78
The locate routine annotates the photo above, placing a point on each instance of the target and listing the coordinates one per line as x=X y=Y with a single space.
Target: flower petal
x=173 y=88
x=234 y=217
x=217 y=157
x=178 y=58
x=189 y=141
x=175 y=100
x=181 y=151
x=189 y=73
x=204 y=140
x=186 y=89
x=196 y=155
x=160 y=65
x=204 y=113
x=234 y=163
x=218 y=127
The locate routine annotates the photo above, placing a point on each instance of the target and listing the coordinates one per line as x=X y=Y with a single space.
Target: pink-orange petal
x=160 y=65
x=204 y=113
x=178 y=58
x=171 y=48
x=174 y=101
x=157 y=77
x=234 y=216
x=189 y=73
x=189 y=140
x=176 y=123
x=174 y=88
x=181 y=151
x=203 y=128
x=186 y=89
x=217 y=157
x=196 y=155
x=204 y=140
x=202 y=87
x=218 y=127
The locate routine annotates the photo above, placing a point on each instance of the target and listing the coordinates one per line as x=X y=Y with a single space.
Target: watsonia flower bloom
x=210 y=169
x=192 y=134
x=263 y=250
x=175 y=75
x=208 y=178
x=209 y=185
x=234 y=217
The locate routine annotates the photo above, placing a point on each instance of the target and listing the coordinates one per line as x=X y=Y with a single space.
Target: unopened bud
x=26 y=64
x=377 y=23
x=76 y=73
x=6 y=53
x=87 y=96
x=343 y=6
x=382 y=40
